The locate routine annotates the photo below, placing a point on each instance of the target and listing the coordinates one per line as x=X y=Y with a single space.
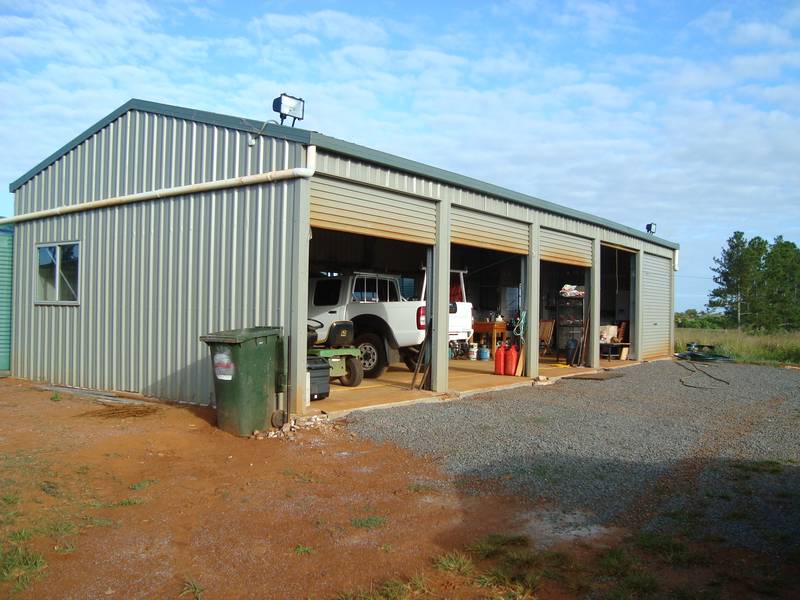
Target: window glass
x=68 y=273
x=455 y=288
x=58 y=272
x=365 y=290
x=326 y=293
x=387 y=290
x=46 y=290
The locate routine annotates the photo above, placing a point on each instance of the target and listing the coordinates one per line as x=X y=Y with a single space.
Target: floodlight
x=289 y=106
x=651 y=228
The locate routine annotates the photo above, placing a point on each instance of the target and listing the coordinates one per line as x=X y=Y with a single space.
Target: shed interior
x=616 y=300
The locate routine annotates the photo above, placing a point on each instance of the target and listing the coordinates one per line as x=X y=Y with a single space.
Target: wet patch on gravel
x=654 y=445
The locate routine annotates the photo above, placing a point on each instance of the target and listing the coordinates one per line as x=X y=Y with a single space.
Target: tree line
x=758 y=284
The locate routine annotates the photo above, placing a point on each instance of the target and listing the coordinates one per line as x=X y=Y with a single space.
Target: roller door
x=656 y=306
x=344 y=206
x=482 y=230
x=560 y=247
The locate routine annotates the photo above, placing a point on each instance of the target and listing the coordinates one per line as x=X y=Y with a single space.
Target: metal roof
x=337 y=146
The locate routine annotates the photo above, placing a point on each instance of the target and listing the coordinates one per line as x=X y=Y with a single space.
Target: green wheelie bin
x=248 y=371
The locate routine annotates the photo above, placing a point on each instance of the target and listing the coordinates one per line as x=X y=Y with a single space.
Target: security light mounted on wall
x=289 y=106
x=651 y=228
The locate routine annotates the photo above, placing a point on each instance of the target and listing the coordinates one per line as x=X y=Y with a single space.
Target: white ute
x=387 y=326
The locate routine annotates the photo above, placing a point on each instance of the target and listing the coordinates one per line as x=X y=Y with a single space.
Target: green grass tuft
x=143 y=484
x=615 y=563
x=454 y=562
x=368 y=523
x=192 y=587
x=302 y=550
x=20 y=566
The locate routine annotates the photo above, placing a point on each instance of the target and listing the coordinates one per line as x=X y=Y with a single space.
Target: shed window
x=58 y=273
x=326 y=293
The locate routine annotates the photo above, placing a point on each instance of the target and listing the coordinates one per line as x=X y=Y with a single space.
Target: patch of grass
x=143 y=484
x=92 y=521
x=66 y=547
x=192 y=587
x=20 y=535
x=454 y=562
x=420 y=488
x=60 y=528
x=20 y=566
x=368 y=523
x=50 y=488
x=9 y=517
x=615 y=562
x=302 y=550
x=131 y=501
x=496 y=577
x=668 y=549
x=10 y=499
x=495 y=544
x=394 y=589
x=640 y=583
x=775 y=348
x=55 y=397
x=386 y=548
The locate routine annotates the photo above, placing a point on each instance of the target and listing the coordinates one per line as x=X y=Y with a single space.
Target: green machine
x=333 y=358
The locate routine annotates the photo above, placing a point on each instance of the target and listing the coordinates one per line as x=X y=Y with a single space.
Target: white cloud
x=755 y=33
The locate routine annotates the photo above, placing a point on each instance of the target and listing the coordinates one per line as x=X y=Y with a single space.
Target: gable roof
x=335 y=145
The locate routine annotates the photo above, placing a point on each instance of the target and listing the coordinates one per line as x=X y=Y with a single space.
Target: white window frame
x=57 y=302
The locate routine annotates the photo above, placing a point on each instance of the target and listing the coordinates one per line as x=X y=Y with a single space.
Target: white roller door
x=344 y=206
x=482 y=230
x=656 y=306
x=560 y=247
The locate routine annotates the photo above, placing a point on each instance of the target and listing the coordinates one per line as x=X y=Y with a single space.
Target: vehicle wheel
x=373 y=355
x=355 y=372
x=410 y=356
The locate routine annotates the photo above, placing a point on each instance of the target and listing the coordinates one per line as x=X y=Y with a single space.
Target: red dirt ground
x=133 y=501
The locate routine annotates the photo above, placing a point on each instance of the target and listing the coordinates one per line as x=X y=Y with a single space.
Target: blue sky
x=685 y=114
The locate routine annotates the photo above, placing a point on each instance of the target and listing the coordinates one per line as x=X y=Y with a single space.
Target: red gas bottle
x=511 y=357
x=500 y=360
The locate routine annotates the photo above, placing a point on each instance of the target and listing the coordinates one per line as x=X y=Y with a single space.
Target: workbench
x=492 y=328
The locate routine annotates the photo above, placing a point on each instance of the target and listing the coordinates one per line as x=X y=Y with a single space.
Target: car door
x=325 y=303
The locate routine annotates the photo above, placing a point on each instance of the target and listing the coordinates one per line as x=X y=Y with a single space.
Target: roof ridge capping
x=339 y=146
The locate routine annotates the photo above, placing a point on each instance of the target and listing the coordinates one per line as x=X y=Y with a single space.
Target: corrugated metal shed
x=6 y=286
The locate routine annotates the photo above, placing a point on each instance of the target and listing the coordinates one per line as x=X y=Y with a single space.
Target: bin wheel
x=355 y=372
x=373 y=355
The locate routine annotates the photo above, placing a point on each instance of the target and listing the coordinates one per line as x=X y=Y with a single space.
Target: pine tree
x=738 y=275
x=780 y=306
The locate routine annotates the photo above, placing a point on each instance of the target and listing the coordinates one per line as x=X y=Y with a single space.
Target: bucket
x=473 y=351
x=484 y=353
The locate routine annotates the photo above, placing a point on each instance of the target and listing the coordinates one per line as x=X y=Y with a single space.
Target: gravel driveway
x=716 y=453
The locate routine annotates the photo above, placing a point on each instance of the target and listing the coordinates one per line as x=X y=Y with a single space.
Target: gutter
x=182 y=190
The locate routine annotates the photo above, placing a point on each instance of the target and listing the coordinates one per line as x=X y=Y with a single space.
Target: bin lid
x=239 y=336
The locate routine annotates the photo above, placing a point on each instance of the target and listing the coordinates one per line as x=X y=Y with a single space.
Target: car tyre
x=373 y=355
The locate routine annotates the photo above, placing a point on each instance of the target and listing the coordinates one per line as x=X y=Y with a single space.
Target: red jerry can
x=512 y=354
x=500 y=360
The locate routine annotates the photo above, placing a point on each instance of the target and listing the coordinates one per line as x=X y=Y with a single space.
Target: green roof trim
x=337 y=146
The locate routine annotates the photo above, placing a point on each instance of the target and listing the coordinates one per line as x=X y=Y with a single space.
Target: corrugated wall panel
x=345 y=206
x=656 y=306
x=154 y=277
x=482 y=230
x=6 y=286
x=143 y=151
x=560 y=247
